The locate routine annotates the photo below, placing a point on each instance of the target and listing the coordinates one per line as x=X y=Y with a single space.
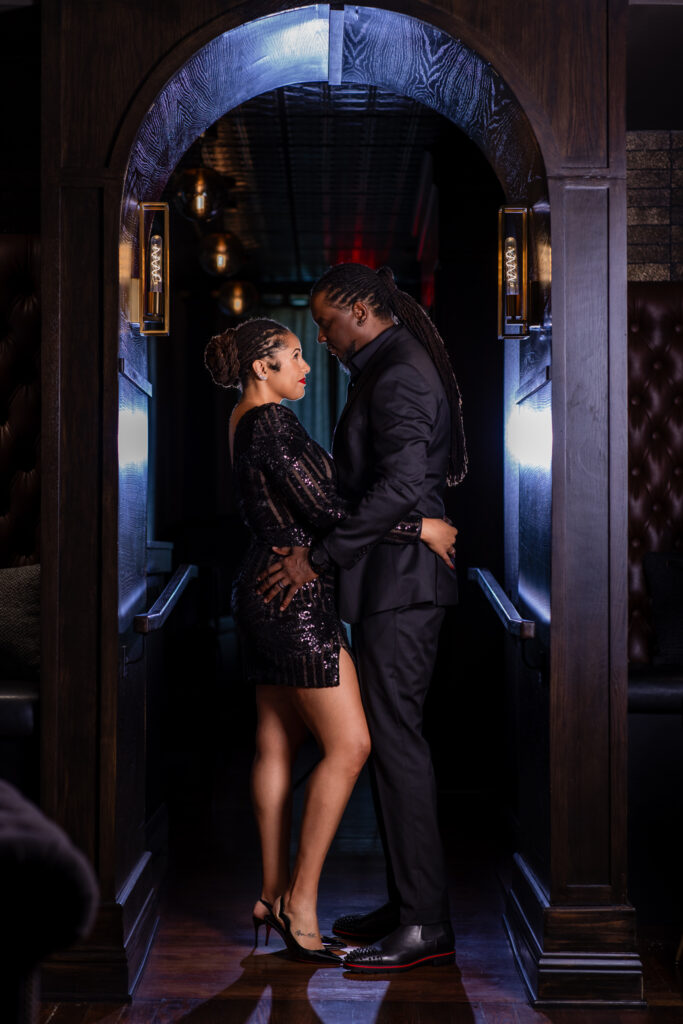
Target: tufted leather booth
x=655 y=495
x=655 y=691
x=19 y=400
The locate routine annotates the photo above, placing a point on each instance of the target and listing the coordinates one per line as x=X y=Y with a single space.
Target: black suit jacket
x=391 y=450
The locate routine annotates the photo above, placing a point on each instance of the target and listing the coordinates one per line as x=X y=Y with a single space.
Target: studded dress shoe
x=409 y=946
x=367 y=927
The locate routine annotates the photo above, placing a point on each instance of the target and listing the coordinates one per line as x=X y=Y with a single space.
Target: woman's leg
x=279 y=734
x=336 y=719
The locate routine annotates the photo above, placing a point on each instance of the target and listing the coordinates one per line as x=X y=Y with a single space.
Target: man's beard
x=346 y=358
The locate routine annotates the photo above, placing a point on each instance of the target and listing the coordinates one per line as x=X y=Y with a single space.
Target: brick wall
x=654 y=181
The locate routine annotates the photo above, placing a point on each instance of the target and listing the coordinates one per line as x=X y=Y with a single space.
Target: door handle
x=525 y=629
x=153 y=619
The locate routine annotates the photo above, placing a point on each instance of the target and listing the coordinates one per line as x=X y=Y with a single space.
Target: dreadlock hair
x=229 y=356
x=347 y=283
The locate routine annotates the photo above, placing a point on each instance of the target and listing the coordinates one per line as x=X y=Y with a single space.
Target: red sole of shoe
x=436 y=960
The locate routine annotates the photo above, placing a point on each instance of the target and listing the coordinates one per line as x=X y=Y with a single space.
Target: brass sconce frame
x=150 y=292
x=513 y=272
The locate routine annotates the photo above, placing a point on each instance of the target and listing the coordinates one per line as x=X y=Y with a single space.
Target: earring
x=262 y=376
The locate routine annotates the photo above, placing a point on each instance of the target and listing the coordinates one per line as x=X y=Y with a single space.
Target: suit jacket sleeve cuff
x=319 y=558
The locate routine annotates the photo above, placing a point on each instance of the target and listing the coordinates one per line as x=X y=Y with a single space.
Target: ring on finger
x=282 y=585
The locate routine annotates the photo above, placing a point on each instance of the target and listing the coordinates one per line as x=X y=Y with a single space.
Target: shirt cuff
x=319 y=558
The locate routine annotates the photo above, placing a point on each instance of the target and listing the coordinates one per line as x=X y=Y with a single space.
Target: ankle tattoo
x=306 y=935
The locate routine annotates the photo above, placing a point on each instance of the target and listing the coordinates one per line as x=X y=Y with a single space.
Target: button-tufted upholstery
x=655 y=686
x=19 y=400
x=655 y=356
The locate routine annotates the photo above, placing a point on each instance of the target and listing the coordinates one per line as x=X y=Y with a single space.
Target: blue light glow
x=132 y=437
x=529 y=436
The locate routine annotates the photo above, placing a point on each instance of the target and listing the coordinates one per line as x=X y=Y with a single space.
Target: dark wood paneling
x=109 y=963
x=575 y=956
x=618 y=539
x=580 y=676
x=72 y=690
x=124 y=43
x=415 y=59
x=567 y=96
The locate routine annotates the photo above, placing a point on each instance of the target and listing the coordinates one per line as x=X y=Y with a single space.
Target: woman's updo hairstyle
x=229 y=356
x=354 y=282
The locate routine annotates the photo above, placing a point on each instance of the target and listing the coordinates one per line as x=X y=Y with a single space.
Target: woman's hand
x=440 y=535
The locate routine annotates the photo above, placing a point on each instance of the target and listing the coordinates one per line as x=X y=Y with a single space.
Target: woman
x=298 y=659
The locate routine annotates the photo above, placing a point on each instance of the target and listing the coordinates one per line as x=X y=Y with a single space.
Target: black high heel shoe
x=270 y=921
x=317 y=957
x=272 y=924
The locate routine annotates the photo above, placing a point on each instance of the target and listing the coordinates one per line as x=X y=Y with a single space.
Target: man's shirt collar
x=362 y=357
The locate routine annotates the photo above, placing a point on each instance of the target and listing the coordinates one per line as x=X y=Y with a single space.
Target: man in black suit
x=398 y=438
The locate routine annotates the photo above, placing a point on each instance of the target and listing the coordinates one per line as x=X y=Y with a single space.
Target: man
x=398 y=439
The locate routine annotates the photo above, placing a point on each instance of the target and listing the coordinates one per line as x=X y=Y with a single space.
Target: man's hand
x=290 y=574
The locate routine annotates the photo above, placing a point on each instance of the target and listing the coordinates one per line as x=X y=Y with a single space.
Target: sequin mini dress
x=287 y=493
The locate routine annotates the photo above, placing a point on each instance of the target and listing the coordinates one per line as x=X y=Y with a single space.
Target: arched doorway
x=566 y=896
x=410 y=58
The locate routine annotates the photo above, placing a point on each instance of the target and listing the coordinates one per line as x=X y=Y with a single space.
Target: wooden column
x=572 y=927
x=573 y=931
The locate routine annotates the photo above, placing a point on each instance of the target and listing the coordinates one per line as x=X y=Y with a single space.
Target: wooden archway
x=494 y=74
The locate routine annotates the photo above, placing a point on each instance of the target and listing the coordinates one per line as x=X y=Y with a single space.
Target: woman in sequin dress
x=298 y=658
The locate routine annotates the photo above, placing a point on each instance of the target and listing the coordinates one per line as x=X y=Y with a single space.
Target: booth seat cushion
x=655 y=689
x=664 y=578
x=20 y=622
x=18 y=708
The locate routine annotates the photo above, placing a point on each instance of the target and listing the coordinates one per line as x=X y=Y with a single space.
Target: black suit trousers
x=395 y=653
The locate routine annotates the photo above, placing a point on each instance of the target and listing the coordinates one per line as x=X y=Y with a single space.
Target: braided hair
x=347 y=283
x=229 y=356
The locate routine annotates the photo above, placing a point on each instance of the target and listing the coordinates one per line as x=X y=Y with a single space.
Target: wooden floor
x=203 y=970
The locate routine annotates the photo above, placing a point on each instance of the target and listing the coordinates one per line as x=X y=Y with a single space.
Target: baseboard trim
x=109 y=963
x=571 y=977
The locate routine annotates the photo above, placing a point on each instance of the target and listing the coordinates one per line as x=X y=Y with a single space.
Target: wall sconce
x=150 y=292
x=513 y=272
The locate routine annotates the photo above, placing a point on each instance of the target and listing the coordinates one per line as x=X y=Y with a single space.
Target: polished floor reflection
x=203 y=970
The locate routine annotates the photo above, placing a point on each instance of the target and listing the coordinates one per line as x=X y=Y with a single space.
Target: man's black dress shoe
x=369 y=927
x=411 y=945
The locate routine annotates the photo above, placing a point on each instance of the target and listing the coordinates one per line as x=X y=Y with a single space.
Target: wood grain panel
x=74 y=725
x=618 y=524
x=554 y=56
x=415 y=59
x=568 y=88
x=115 y=46
x=580 y=673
